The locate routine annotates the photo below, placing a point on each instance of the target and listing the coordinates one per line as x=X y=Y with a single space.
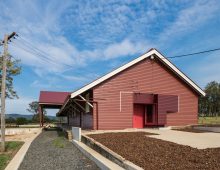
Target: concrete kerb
x=210 y=129
x=109 y=154
x=101 y=162
x=18 y=158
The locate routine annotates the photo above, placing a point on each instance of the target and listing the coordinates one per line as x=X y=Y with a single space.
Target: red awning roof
x=51 y=97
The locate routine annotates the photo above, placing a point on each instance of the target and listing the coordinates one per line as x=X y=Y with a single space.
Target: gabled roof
x=52 y=97
x=151 y=52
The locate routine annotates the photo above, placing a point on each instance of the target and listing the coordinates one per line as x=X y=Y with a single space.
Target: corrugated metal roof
x=52 y=97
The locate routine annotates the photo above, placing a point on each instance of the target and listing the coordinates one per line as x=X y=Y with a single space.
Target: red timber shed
x=148 y=91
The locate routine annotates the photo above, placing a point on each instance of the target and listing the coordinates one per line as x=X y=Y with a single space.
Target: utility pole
x=3 y=88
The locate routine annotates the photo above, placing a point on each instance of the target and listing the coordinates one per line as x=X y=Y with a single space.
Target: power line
x=45 y=59
x=34 y=53
x=183 y=55
x=200 y=52
x=29 y=45
x=39 y=52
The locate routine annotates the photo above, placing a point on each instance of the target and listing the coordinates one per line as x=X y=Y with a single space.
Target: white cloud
x=18 y=106
x=120 y=26
x=80 y=78
x=41 y=85
x=190 y=19
x=42 y=27
x=125 y=48
x=206 y=69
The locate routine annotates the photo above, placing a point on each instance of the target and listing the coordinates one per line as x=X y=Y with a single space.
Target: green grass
x=13 y=145
x=11 y=149
x=209 y=120
x=4 y=160
x=59 y=142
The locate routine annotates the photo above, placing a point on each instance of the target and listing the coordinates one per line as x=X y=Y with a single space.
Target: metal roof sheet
x=52 y=97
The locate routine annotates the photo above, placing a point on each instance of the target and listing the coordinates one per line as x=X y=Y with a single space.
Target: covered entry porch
x=50 y=100
x=79 y=111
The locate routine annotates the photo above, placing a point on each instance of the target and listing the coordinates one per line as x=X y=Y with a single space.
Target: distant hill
x=29 y=117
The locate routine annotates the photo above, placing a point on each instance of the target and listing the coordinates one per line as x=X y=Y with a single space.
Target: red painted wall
x=145 y=77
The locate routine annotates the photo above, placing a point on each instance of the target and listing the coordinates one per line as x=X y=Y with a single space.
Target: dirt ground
x=151 y=153
x=20 y=137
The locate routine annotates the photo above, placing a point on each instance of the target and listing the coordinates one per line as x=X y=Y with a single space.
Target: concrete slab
x=195 y=140
x=18 y=158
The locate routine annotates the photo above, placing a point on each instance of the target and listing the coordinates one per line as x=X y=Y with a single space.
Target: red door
x=138 y=116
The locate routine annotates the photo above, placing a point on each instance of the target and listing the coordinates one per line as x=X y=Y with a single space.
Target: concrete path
x=196 y=140
x=50 y=151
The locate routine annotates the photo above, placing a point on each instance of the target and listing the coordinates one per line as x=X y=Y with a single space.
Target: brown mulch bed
x=151 y=153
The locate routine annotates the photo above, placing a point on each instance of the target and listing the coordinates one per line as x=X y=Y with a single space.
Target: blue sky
x=86 y=39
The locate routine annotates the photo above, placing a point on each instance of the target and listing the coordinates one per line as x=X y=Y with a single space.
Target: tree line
x=22 y=120
x=32 y=108
x=209 y=105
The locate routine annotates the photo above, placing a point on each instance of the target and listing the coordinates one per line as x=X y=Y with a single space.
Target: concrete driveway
x=196 y=140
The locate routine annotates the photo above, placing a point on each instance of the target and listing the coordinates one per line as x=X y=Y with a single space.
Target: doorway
x=149 y=115
x=144 y=115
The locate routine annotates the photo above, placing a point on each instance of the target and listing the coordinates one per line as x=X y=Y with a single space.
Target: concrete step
x=69 y=135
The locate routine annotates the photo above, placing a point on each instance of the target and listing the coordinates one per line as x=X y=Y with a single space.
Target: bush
x=21 y=121
x=10 y=120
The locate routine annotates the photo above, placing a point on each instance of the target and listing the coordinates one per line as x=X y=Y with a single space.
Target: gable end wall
x=146 y=76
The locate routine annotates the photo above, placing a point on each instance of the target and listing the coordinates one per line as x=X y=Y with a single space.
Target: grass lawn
x=209 y=120
x=11 y=149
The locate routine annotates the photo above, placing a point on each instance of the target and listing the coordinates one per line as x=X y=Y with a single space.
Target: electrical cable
x=200 y=52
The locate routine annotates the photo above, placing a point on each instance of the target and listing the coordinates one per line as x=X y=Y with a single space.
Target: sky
x=82 y=40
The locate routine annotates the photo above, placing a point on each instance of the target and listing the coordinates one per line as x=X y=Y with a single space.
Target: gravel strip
x=50 y=151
